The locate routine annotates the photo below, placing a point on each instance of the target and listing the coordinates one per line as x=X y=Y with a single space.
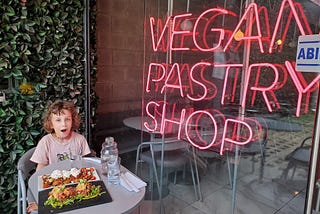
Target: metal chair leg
x=229 y=171
x=18 y=198
x=318 y=197
x=199 y=194
x=137 y=159
x=234 y=185
x=193 y=181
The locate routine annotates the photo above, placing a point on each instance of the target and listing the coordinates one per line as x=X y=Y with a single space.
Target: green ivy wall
x=42 y=51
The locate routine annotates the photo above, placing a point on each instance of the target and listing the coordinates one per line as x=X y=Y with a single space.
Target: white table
x=124 y=201
x=137 y=124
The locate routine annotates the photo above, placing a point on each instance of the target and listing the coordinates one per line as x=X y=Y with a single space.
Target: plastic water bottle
x=110 y=162
x=105 y=155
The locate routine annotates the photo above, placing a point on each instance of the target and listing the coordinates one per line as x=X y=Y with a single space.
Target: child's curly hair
x=56 y=108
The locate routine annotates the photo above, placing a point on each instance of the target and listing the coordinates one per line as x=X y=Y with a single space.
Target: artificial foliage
x=41 y=54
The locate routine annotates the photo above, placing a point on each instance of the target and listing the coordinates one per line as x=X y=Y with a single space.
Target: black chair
x=25 y=168
x=299 y=157
x=175 y=156
x=256 y=147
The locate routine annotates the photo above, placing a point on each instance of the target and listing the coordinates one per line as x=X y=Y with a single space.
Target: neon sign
x=295 y=11
x=184 y=78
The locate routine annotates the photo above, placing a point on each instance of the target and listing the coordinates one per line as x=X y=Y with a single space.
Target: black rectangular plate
x=104 y=198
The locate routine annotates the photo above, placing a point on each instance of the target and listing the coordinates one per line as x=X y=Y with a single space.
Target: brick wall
x=120 y=55
x=119 y=43
x=119 y=27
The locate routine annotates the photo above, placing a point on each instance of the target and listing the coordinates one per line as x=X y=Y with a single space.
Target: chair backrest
x=302 y=153
x=25 y=168
x=169 y=144
x=25 y=165
x=258 y=145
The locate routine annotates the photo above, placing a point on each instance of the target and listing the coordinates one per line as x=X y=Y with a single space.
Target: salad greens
x=61 y=195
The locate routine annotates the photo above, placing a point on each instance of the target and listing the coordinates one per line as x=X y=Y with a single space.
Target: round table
x=123 y=201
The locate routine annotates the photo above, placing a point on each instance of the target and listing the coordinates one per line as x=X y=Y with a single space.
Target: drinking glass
x=76 y=159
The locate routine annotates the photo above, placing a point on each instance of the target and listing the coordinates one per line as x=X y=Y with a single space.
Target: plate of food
x=65 y=177
x=64 y=198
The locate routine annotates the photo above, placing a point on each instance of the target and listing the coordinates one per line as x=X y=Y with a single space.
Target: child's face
x=62 y=123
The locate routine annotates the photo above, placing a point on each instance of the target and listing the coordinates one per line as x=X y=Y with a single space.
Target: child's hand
x=32 y=206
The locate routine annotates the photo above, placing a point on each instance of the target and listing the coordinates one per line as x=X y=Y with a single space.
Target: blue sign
x=308 y=53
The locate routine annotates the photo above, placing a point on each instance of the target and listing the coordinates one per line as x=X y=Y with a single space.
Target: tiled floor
x=272 y=194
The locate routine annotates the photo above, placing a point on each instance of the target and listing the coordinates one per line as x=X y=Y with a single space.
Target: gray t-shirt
x=50 y=150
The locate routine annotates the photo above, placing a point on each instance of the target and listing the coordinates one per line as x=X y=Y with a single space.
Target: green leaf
x=19 y=120
x=16 y=73
x=42 y=33
x=14 y=28
x=29 y=105
x=48 y=19
x=27 y=37
x=20 y=148
x=27 y=52
x=22 y=112
x=34 y=132
x=10 y=11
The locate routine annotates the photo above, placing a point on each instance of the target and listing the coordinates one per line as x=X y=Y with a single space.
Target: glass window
x=220 y=75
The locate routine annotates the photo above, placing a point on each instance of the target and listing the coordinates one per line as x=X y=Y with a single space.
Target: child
x=60 y=121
